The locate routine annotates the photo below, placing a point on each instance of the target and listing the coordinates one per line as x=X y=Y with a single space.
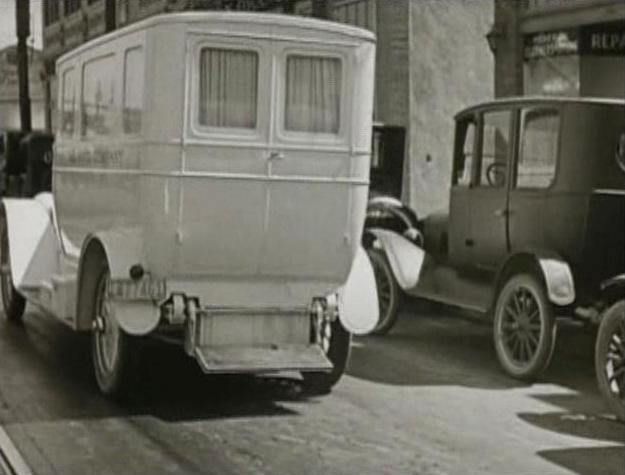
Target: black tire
x=337 y=350
x=115 y=354
x=12 y=302
x=524 y=327
x=389 y=293
x=610 y=358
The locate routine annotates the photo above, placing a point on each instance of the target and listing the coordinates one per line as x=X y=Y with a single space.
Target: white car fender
x=358 y=298
x=123 y=249
x=34 y=248
x=406 y=259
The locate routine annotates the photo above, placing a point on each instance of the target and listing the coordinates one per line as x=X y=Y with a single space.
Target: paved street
x=429 y=398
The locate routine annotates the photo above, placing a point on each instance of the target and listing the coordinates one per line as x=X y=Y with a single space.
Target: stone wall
x=451 y=67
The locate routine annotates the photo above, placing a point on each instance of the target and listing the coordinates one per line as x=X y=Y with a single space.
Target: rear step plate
x=262 y=359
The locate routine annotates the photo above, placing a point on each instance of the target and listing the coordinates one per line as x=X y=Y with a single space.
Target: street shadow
x=589 y=460
x=581 y=412
x=170 y=386
x=431 y=345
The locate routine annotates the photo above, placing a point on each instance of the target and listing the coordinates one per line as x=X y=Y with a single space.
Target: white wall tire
x=524 y=327
x=13 y=303
x=389 y=293
x=114 y=353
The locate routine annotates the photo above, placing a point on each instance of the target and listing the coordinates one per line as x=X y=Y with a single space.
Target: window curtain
x=313 y=94
x=228 y=88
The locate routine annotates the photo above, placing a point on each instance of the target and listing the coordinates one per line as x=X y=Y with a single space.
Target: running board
x=262 y=359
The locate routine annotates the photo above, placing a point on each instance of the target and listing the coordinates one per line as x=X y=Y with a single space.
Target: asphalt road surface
x=428 y=398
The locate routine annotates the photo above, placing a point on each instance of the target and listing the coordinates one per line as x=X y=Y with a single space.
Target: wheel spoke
x=616 y=374
x=530 y=350
x=533 y=338
x=517 y=304
x=510 y=312
x=509 y=336
x=515 y=347
x=522 y=351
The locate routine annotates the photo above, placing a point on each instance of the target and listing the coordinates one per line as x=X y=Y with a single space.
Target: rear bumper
x=255 y=339
x=262 y=359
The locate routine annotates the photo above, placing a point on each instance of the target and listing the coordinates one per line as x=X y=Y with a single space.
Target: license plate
x=143 y=289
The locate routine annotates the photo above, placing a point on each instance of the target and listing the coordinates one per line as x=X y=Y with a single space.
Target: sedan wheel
x=610 y=358
x=524 y=327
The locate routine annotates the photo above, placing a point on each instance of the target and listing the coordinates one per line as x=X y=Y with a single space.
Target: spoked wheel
x=610 y=358
x=524 y=327
x=389 y=293
x=335 y=342
x=12 y=302
x=113 y=351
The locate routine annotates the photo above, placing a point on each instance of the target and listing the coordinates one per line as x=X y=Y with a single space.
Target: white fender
x=405 y=258
x=559 y=280
x=358 y=298
x=123 y=248
x=33 y=245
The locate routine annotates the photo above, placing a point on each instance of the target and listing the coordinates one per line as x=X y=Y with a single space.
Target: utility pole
x=22 y=21
x=322 y=9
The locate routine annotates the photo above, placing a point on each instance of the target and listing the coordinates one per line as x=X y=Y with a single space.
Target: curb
x=11 y=461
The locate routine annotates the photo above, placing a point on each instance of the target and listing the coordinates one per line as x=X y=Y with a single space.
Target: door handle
x=275 y=156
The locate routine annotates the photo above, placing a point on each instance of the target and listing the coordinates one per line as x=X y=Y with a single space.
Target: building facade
x=432 y=60
x=9 y=89
x=559 y=47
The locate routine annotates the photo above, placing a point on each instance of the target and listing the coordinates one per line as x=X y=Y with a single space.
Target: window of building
x=124 y=10
x=71 y=6
x=465 y=153
x=538 y=149
x=145 y=3
x=551 y=63
x=133 y=90
x=98 y=96
x=228 y=88
x=495 y=149
x=68 y=102
x=313 y=94
x=361 y=13
x=51 y=12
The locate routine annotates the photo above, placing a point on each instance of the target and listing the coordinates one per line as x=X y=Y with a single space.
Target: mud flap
x=136 y=318
x=358 y=298
x=405 y=258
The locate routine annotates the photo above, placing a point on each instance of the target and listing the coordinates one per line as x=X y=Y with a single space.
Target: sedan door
x=489 y=196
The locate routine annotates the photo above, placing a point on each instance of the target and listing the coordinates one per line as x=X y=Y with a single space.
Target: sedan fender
x=358 y=298
x=559 y=280
x=406 y=259
x=555 y=271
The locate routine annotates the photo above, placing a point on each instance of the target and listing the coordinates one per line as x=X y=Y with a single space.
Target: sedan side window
x=539 y=148
x=465 y=153
x=495 y=149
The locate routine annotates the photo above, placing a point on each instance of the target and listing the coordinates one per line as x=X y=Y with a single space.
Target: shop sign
x=607 y=39
x=551 y=43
